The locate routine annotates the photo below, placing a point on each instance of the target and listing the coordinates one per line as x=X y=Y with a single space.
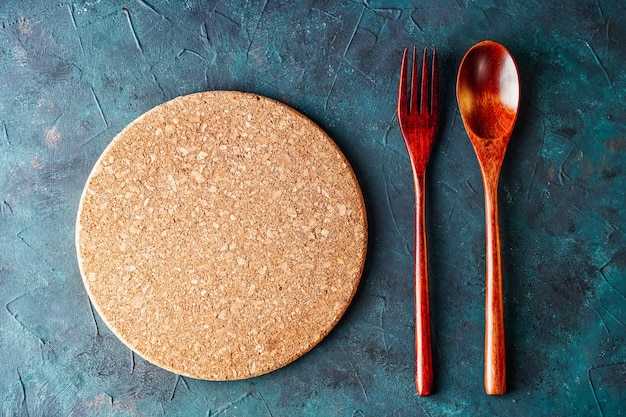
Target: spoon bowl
x=488 y=93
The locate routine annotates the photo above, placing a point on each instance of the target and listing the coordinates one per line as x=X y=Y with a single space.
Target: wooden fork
x=418 y=116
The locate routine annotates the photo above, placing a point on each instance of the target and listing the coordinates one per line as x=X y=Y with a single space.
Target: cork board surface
x=221 y=235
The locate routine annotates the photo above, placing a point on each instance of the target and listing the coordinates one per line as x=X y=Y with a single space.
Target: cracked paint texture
x=73 y=74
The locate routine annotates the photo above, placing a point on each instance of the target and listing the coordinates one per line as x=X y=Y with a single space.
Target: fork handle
x=423 y=346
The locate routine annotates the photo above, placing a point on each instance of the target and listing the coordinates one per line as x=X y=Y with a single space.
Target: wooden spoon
x=487 y=91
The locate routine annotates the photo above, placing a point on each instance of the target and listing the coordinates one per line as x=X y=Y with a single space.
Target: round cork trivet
x=221 y=235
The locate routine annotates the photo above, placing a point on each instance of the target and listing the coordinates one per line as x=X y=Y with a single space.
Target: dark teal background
x=72 y=75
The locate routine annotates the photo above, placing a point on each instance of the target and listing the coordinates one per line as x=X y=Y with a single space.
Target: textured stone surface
x=72 y=75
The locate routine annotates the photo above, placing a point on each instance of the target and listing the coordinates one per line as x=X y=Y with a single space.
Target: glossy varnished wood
x=488 y=98
x=418 y=116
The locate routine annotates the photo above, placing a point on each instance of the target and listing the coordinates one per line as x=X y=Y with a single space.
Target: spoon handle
x=423 y=348
x=495 y=355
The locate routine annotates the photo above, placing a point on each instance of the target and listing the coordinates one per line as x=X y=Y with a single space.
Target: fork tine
x=413 y=104
x=402 y=88
x=434 y=104
x=424 y=97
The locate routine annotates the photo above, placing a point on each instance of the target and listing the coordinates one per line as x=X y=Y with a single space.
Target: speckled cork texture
x=221 y=235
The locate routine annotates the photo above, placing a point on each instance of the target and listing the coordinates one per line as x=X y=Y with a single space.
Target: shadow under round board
x=221 y=235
